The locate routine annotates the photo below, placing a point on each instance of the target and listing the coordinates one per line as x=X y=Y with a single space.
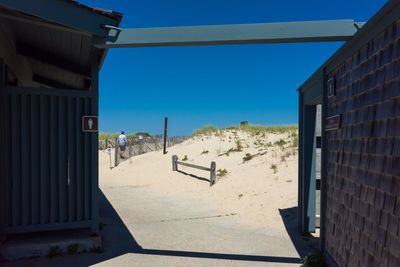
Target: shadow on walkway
x=303 y=243
x=118 y=241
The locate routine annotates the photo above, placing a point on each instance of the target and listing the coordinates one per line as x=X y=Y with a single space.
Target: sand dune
x=251 y=189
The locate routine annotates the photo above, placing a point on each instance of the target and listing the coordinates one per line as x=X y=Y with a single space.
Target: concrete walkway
x=145 y=229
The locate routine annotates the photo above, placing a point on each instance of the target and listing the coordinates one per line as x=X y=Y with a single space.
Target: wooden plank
x=15 y=148
x=87 y=188
x=193 y=166
x=95 y=140
x=71 y=159
x=3 y=142
x=79 y=159
x=47 y=91
x=44 y=160
x=62 y=159
x=25 y=160
x=35 y=183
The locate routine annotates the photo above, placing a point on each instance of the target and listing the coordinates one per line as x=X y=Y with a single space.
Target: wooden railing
x=212 y=168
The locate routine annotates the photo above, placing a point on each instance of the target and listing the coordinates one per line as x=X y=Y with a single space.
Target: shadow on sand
x=195 y=176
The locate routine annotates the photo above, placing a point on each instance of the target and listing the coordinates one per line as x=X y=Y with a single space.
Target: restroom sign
x=90 y=124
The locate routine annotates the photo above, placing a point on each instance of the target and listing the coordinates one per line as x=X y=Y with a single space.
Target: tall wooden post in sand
x=165 y=134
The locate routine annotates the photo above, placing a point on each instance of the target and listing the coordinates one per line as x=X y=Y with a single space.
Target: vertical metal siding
x=51 y=178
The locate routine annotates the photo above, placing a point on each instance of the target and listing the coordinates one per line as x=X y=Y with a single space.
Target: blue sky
x=219 y=85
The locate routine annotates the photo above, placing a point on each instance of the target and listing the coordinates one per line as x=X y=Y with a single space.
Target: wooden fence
x=212 y=168
x=136 y=147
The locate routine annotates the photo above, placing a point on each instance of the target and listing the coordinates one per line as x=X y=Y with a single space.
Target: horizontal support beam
x=193 y=166
x=49 y=58
x=63 y=12
x=39 y=22
x=65 y=91
x=53 y=83
x=260 y=33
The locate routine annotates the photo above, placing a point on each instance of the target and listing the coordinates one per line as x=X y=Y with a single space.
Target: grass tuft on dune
x=248 y=128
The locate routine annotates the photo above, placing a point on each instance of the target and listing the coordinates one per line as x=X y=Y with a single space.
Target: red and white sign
x=90 y=124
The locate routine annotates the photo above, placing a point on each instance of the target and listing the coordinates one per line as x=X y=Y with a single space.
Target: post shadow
x=194 y=176
x=303 y=243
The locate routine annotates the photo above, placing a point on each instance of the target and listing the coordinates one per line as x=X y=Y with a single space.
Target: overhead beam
x=64 y=13
x=39 y=22
x=53 y=83
x=49 y=58
x=260 y=33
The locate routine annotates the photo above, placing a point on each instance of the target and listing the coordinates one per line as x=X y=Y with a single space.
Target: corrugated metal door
x=50 y=181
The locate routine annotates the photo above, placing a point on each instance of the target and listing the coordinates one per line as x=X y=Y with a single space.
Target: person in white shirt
x=122 y=142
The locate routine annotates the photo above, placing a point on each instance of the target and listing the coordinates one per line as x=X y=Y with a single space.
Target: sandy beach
x=251 y=189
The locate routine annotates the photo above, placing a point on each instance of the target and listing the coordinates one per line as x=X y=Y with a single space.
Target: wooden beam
x=52 y=83
x=49 y=58
x=258 y=33
x=65 y=13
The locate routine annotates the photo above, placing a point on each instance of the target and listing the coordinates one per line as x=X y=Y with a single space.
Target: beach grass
x=113 y=136
x=249 y=128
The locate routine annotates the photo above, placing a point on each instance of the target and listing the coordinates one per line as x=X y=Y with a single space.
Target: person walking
x=122 y=142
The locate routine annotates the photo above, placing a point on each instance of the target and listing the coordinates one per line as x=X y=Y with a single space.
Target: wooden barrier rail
x=212 y=168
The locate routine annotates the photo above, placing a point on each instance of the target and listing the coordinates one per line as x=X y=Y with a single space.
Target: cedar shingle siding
x=363 y=156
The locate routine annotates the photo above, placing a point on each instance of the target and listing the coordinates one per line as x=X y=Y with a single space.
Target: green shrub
x=207 y=130
x=73 y=248
x=204 y=152
x=185 y=158
x=247 y=157
x=280 y=142
x=274 y=167
x=222 y=172
x=238 y=146
x=313 y=259
x=54 y=251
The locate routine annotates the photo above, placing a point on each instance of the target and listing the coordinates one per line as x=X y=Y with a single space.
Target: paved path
x=145 y=229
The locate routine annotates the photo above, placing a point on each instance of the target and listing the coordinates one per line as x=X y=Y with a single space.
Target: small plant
x=222 y=172
x=247 y=157
x=238 y=146
x=280 y=142
x=295 y=140
x=204 y=152
x=313 y=259
x=185 y=158
x=274 y=167
x=54 y=251
x=73 y=248
x=283 y=159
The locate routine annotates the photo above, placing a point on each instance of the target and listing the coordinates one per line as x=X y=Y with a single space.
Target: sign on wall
x=331 y=87
x=333 y=123
x=90 y=124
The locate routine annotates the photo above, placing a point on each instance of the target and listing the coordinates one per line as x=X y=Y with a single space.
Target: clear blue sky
x=220 y=85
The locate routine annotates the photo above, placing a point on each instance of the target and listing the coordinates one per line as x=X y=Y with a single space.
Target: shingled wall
x=363 y=156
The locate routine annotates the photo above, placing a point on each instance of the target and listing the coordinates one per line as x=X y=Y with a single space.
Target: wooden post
x=212 y=173
x=165 y=135
x=130 y=151
x=116 y=153
x=174 y=163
